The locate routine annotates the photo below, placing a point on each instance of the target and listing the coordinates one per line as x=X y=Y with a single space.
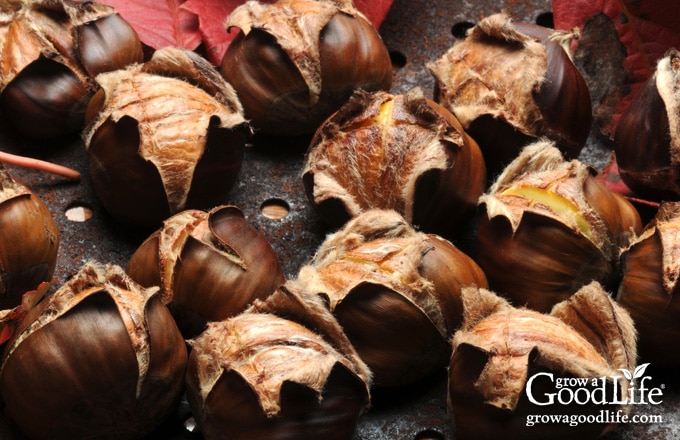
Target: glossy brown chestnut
x=29 y=241
x=51 y=52
x=511 y=83
x=400 y=152
x=548 y=226
x=508 y=362
x=647 y=136
x=294 y=62
x=394 y=291
x=649 y=288
x=99 y=358
x=262 y=375
x=164 y=136
x=209 y=266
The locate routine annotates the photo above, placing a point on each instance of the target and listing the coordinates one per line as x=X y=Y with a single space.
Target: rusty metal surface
x=416 y=32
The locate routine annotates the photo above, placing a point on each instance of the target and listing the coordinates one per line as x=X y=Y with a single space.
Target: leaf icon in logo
x=626 y=373
x=640 y=370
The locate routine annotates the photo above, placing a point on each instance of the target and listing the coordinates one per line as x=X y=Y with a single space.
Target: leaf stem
x=41 y=165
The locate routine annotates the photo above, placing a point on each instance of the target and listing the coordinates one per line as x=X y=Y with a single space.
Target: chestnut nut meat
x=510 y=83
x=394 y=291
x=209 y=266
x=51 y=52
x=295 y=62
x=29 y=241
x=164 y=136
x=548 y=226
x=99 y=358
x=400 y=152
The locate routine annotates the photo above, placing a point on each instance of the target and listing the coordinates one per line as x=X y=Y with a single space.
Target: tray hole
x=78 y=212
x=429 y=434
x=545 y=19
x=275 y=209
x=398 y=59
x=459 y=30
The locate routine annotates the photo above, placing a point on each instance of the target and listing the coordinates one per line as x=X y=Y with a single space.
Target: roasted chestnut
x=649 y=288
x=295 y=62
x=512 y=367
x=548 y=226
x=394 y=291
x=29 y=241
x=99 y=358
x=647 y=136
x=52 y=50
x=264 y=375
x=401 y=152
x=209 y=266
x=164 y=136
x=510 y=83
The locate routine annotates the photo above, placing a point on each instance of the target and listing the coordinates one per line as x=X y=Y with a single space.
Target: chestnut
x=29 y=241
x=510 y=83
x=649 y=287
x=164 y=136
x=265 y=374
x=647 y=135
x=508 y=362
x=51 y=53
x=101 y=358
x=209 y=266
x=294 y=62
x=402 y=152
x=394 y=291
x=548 y=226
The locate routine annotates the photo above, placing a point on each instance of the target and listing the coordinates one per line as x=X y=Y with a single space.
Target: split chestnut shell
x=266 y=375
x=394 y=291
x=549 y=226
x=29 y=241
x=508 y=363
x=295 y=62
x=400 y=152
x=209 y=266
x=100 y=358
x=649 y=288
x=510 y=83
x=647 y=136
x=164 y=136
x=51 y=52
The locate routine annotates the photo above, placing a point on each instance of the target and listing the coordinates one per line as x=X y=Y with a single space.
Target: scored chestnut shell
x=401 y=152
x=266 y=374
x=549 y=226
x=99 y=358
x=649 y=288
x=507 y=362
x=51 y=52
x=394 y=291
x=647 y=136
x=29 y=241
x=295 y=62
x=164 y=136
x=209 y=266
x=510 y=83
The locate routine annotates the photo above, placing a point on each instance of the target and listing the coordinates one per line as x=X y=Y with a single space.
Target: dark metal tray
x=416 y=32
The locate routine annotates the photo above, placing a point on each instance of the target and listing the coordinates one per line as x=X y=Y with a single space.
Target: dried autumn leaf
x=190 y=23
x=644 y=31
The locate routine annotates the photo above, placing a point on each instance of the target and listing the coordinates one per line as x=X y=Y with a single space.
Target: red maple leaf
x=646 y=29
x=190 y=23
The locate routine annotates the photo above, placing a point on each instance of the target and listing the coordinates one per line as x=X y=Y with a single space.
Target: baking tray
x=269 y=191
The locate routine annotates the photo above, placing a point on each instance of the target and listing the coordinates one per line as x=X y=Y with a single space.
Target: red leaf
x=647 y=29
x=160 y=23
x=188 y=23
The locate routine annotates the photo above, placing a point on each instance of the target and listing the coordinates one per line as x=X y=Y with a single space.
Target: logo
x=599 y=391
